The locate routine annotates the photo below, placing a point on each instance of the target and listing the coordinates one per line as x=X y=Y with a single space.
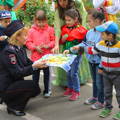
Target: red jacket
x=37 y=36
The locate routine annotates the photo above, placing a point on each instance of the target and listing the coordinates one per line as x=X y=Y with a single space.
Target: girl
x=62 y=6
x=41 y=40
x=92 y=37
x=72 y=34
x=111 y=8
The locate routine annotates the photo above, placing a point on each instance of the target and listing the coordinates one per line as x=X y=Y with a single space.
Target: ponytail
x=79 y=16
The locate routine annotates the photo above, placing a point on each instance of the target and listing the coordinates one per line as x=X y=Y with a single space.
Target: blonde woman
x=14 y=66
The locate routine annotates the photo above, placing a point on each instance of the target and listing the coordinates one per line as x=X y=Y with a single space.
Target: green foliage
x=31 y=7
x=87 y=3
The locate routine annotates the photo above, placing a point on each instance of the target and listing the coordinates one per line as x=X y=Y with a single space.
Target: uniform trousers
x=18 y=94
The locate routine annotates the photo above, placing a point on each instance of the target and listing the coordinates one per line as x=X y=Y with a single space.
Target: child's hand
x=39 y=49
x=75 y=48
x=65 y=52
x=2 y=38
x=100 y=71
x=64 y=38
x=45 y=46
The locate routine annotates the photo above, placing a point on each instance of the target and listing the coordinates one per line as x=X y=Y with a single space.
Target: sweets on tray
x=56 y=59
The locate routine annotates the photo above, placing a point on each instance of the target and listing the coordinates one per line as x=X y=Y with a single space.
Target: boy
x=5 y=18
x=109 y=48
x=8 y=4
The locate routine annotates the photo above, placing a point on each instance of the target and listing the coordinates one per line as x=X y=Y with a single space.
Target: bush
x=31 y=7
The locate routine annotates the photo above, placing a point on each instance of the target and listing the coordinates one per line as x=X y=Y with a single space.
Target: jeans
x=72 y=75
x=46 y=72
x=98 y=87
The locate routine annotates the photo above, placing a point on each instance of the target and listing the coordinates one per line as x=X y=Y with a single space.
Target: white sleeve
x=113 y=9
x=98 y=3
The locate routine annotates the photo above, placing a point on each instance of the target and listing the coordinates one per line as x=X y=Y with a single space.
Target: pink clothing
x=36 y=37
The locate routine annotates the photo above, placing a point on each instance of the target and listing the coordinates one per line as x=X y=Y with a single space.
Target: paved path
x=58 y=107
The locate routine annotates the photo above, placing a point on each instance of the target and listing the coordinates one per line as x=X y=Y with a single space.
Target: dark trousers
x=109 y=81
x=18 y=94
x=46 y=72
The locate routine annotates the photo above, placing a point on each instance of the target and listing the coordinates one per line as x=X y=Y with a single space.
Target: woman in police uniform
x=14 y=66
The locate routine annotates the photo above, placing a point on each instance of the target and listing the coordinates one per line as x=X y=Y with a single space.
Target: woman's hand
x=55 y=50
x=39 y=64
x=65 y=52
x=75 y=48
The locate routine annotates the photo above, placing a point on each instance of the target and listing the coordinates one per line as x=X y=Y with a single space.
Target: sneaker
x=105 y=113
x=50 y=92
x=90 y=101
x=68 y=92
x=97 y=106
x=47 y=95
x=75 y=95
x=117 y=116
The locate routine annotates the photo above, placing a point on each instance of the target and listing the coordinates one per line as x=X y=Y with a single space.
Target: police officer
x=14 y=66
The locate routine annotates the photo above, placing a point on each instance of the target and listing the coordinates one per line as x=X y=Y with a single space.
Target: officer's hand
x=65 y=52
x=55 y=50
x=39 y=64
x=2 y=38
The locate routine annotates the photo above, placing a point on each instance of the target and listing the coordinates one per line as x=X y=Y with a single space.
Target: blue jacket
x=2 y=43
x=92 y=37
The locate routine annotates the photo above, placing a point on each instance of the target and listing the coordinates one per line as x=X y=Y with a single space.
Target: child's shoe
x=68 y=92
x=117 y=116
x=75 y=95
x=105 y=113
x=47 y=95
x=97 y=106
x=90 y=101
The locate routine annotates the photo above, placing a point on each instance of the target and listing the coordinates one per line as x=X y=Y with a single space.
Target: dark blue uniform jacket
x=14 y=65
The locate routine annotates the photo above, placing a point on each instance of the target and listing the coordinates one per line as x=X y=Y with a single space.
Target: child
x=92 y=37
x=72 y=34
x=111 y=8
x=5 y=18
x=8 y=6
x=109 y=48
x=41 y=40
x=1 y=5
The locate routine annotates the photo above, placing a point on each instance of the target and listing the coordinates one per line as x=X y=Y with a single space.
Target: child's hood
x=34 y=26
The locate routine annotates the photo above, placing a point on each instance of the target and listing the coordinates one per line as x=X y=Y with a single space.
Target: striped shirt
x=110 y=55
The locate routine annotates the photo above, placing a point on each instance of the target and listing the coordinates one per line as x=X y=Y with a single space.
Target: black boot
x=17 y=113
x=1 y=100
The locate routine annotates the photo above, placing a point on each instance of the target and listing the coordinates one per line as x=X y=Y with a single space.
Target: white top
x=110 y=9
